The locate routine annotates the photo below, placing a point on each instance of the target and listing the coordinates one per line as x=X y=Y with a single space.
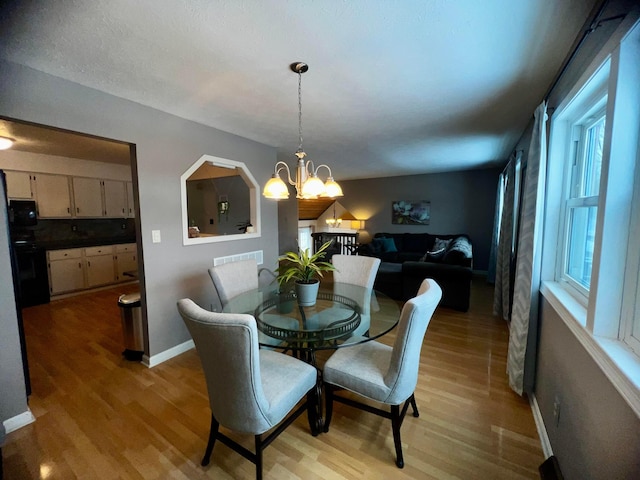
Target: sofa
x=409 y=258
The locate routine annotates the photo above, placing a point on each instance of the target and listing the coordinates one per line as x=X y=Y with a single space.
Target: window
x=591 y=254
x=581 y=204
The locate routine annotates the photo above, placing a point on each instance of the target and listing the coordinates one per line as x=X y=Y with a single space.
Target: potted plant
x=304 y=269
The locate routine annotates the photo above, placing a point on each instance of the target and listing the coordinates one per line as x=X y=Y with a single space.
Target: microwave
x=22 y=213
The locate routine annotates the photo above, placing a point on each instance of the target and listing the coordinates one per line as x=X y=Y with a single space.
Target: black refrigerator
x=16 y=281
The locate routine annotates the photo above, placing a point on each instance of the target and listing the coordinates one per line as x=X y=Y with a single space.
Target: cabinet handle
x=77 y=209
x=68 y=210
x=88 y=264
x=79 y=264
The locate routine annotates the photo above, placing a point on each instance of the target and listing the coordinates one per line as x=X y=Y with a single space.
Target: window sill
x=615 y=359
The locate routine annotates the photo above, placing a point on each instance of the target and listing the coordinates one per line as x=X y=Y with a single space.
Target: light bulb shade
x=357 y=224
x=275 y=188
x=332 y=189
x=312 y=187
x=5 y=143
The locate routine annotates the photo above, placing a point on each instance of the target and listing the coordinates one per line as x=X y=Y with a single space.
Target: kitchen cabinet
x=19 y=185
x=126 y=260
x=87 y=197
x=100 y=266
x=131 y=213
x=52 y=195
x=66 y=272
x=115 y=198
x=75 y=269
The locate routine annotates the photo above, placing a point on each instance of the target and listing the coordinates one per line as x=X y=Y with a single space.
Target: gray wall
x=597 y=435
x=13 y=396
x=461 y=202
x=166 y=146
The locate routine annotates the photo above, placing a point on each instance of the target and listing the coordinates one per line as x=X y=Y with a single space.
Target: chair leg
x=328 y=393
x=313 y=401
x=396 y=422
x=414 y=407
x=213 y=433
x=258 y=457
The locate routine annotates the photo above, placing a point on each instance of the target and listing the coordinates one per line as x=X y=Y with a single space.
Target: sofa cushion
x=416 y=242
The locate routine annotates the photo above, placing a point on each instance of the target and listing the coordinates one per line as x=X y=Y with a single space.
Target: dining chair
x=250 y=390
x=359 y=271
x=355 y=270
x=385 y=374
x=232 y=279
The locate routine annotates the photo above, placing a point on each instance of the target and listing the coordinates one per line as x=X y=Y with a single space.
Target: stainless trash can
x=132 y=332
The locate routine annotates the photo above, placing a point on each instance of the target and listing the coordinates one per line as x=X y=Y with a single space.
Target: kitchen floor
x=99 y=416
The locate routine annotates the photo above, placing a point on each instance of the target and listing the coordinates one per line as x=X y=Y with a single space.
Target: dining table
x=344 y=315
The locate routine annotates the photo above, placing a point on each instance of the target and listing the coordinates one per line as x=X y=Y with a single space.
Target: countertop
x=83 y=242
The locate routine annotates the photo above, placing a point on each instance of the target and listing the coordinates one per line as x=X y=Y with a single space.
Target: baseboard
x=167 y=354
x=542 y=431
x=14 y=423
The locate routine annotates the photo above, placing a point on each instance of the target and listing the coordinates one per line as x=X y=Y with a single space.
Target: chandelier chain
x=300 y=110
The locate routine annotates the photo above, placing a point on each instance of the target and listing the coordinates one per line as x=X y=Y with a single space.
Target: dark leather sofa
x=409 y=258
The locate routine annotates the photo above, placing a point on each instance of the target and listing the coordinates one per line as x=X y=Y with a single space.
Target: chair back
x=232 y=279
x=227 y=344
x=355 y=270
x=402 y=375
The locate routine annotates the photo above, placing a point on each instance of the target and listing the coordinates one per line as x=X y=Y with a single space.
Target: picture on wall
x=410 y=213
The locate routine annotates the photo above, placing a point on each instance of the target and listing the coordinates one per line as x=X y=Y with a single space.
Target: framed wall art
x=404 y=212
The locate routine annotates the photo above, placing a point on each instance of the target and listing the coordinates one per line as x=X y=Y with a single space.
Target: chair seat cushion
x=284 y=391
x=369 y=361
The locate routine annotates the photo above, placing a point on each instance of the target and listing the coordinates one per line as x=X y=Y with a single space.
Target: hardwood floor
x=102 y=417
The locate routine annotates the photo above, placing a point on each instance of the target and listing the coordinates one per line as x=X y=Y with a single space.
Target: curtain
x=502 y=289
x=491 y=271
x=524 y=318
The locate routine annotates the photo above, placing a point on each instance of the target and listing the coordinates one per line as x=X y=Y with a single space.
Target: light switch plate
x=155 y=236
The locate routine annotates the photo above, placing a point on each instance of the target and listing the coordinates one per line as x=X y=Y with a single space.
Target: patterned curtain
x=524 y=319
x=502 y=289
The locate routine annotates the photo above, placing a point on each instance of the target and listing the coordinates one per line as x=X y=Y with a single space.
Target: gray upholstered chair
x=359 y=271
x=355 y=270
x=250 y=390
x=232 y=279
x=382 y=373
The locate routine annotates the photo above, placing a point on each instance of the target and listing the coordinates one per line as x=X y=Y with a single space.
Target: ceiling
x=393 y=88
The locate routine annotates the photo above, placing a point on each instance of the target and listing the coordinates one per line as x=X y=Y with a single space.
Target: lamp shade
x=312 y=187
x=5 y=143
x=332 y=189
x=275 y=188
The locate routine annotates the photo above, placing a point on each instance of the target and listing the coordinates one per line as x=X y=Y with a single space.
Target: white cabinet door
x=65 y=275
x=115 y=198
x=131 y=209
x=126 y=262
x=52 y=193
x=100 y=270
x=19 y=185
x=87 y=195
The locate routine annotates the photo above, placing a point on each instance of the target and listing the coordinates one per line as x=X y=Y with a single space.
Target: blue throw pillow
x=388 y=245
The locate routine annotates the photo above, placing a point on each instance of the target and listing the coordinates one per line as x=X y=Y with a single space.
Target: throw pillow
x=376 y=245
x=440 y=243
x=388 y=245
x=433 y=256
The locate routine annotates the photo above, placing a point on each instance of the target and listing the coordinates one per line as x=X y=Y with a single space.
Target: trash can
x=132 y=326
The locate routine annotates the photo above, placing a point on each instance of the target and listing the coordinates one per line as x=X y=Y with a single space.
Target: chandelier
x=307 y=183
